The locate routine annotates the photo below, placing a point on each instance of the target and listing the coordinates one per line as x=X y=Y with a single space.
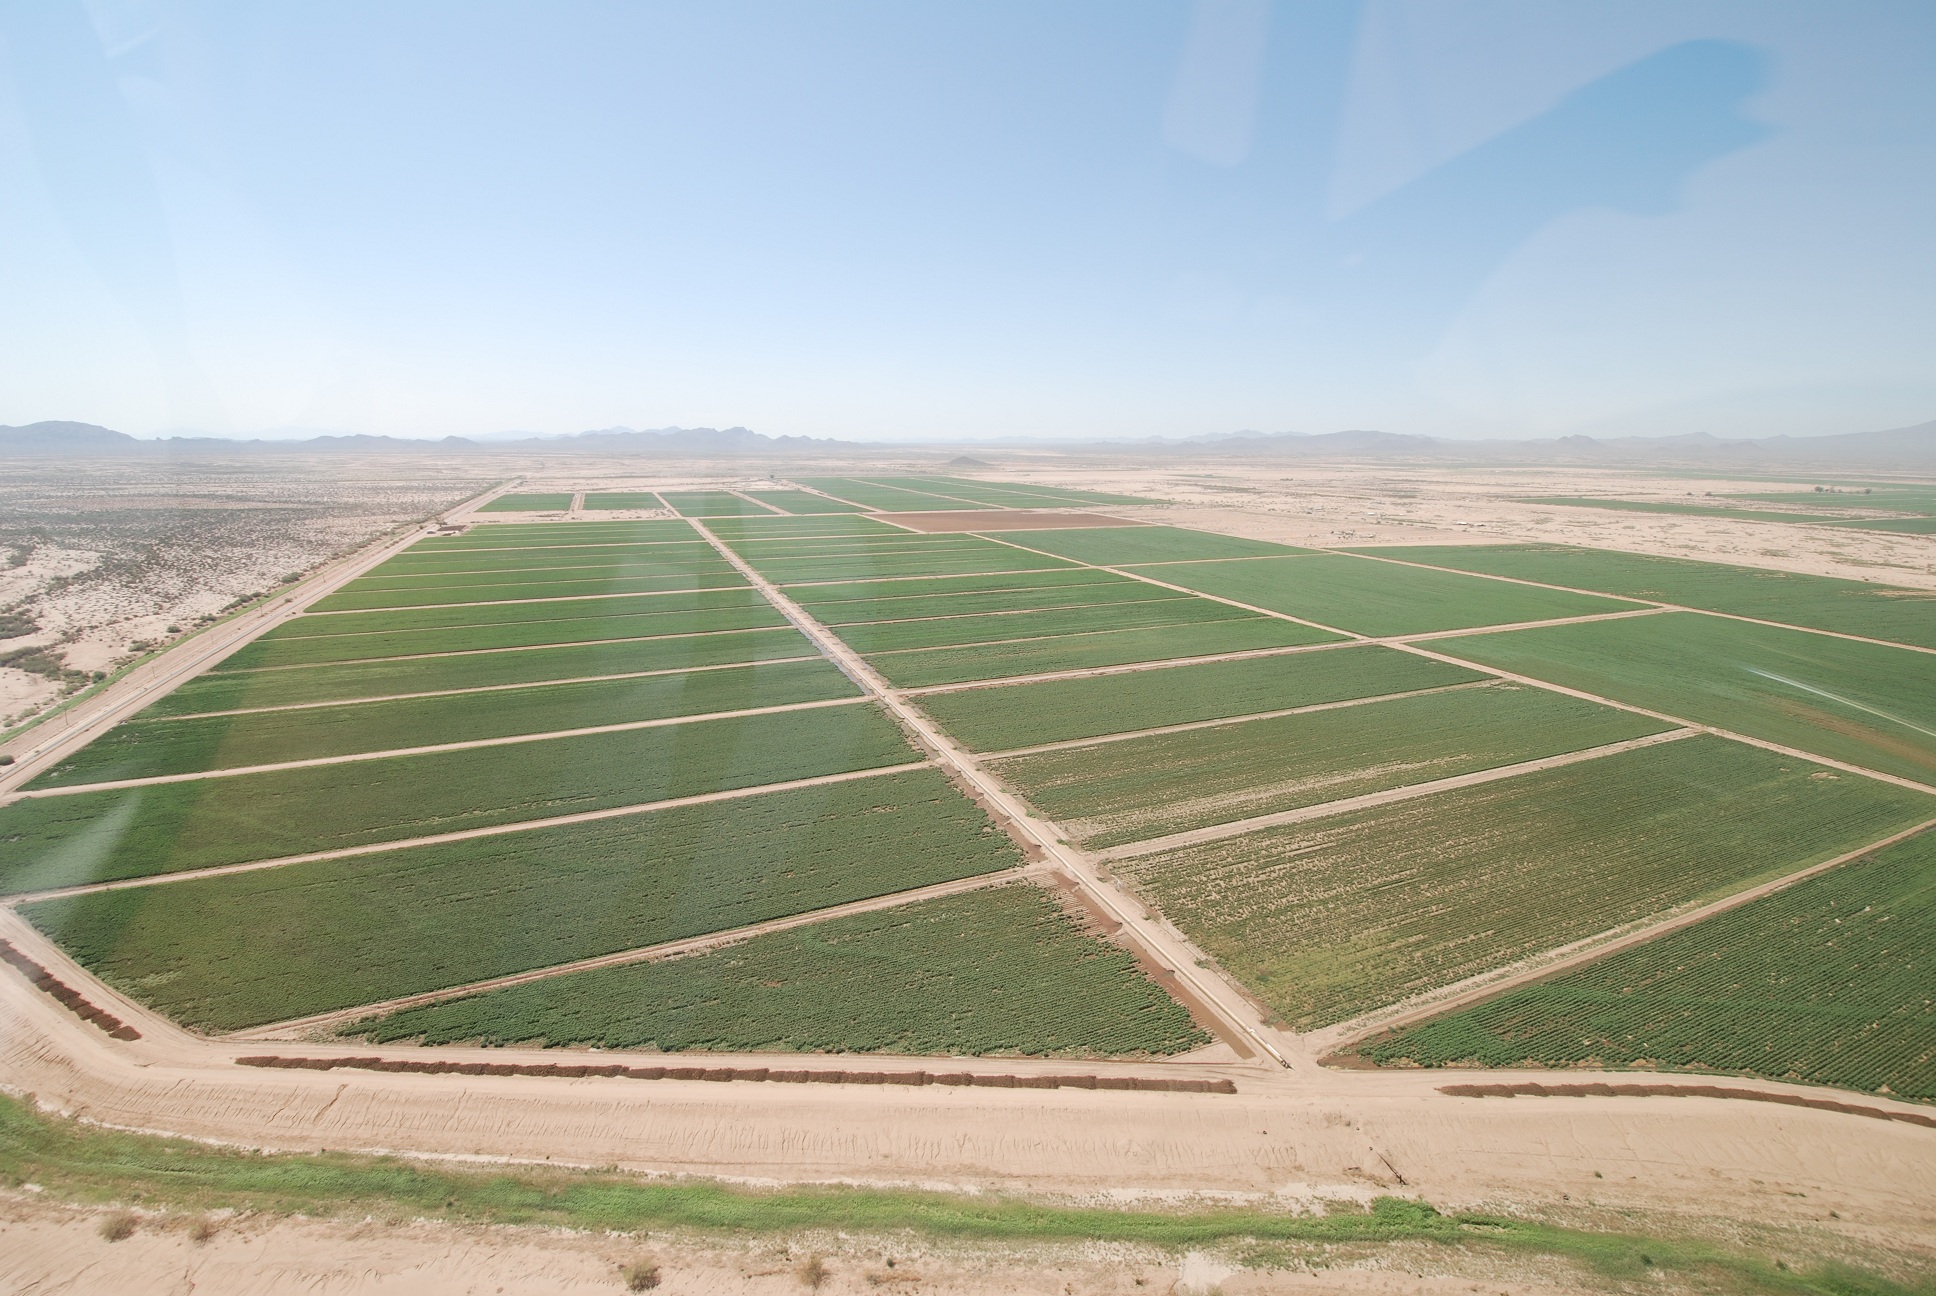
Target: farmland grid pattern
x=890 y=609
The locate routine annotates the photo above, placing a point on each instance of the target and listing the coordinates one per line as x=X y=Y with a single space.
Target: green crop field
x=539 y=548
x=705 y=504
x=935 y=562
x=813 y=595
x=1135 y=789
x=319 y=649
x=622 y=500
x=1117 y=546
x=1021 y=715
x=1868 y=704
x=1820 y=602
x=996 y=972
x=993 y=627
x=1373 y=598
x=482 y=614
x=1826 y=982
x=697 y=576
x=443 y=582
x=764 y=526
x=886 y=499
x=1908 y=526
x=291 y=686
x=799 y=501
x=242 y=949
x=926 y=667
x=146 y=748
x=1903 y=499
x=1690 y=510
x=1010 y=494
x=1330 y=918
x=529 y=503
x=73 y=838
x=499 y=536
x=1104 y=590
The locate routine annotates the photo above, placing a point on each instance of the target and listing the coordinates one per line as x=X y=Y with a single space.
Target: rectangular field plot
x=383 y=620
x=936 y=561
x=1104 y=589
x=459 y=583
x=947 y=631
x=1023 y=715
x=855 y=592
x=1373 y=598
x=885 y=499
x=247 y=948
x=765 y=527
x=1826 y=982
x=1821 y=602
x=451 y=563
x=294 y=686
x=1868 y=704
x=799 y=501
x=710 y=504
x=320 y=649
x=1331 y=918
x=1012 y=494
x=532 y=502
x=1001 y=971
x=73 y=838
x=146 y=748
x=1136 y=789
x=721 y=576
x=488 y=536
x=1119 y=546
x=622 y=500
x=926 y=667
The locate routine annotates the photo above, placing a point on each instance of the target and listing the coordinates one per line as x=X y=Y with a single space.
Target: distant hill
x=61 y=438
x=85 y=439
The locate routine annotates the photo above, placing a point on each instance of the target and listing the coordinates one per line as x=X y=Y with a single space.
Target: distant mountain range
x=1912 y=448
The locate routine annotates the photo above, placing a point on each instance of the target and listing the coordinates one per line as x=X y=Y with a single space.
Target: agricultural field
x=528 y=503
x=885 y=499
x=503 y=668
x=702 y=504
x=1869 y=704
x=622 y=500
x=930 y=667
x=1121 y=546
x=1372 y=598
x=878 y=563
x=1010 y=716
x=714 y=575
x=1019 y=495
x=1819 y=602
x=1824 y=982
x=1001 y=971
x=62 y=838
x=476 y=614
x=152 y=747
x=1333 y=917
x=772 y=526
x=238 y=950
x=1033 y=623
x=799 y=501
x=1688 y=510
x=884 y=601
x=552 y=534
x=1134 y=789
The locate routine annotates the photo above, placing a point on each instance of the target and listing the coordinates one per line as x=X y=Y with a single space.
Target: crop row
x=1021 y=715
x=799 y=501
x=242 y=949
x=887 y=499
x=1012 y=494
x=965 y=562
x=1099 y=590
x=765 y=526
x=229 y=690
x=1870 y=704
x=1119 y=546
x=925 y=667
x=1826 y=982
x=1328 y=919
x=1140 y=788
x=710 y=504
x=483 y=614
x=862 y=591
x=416 y=561
x=150 y=747
x=996 y=971
x=1821 y=602
x=706 y=575
x=946 y=631
x=1368 y=597
x=89 y=836
x=552 y=533
x=622 y=500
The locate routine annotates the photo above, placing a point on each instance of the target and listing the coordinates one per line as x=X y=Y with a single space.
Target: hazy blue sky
x=932 y=220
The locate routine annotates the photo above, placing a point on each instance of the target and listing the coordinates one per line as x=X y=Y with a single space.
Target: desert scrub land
x=311 y=650
x=1826 y=982
x=1374 y=598
x=1117 y=546
x=70 y=838
x=1819 y=602
x=1333 y=917
x=149 y=747
x=1141 y=788
x=922 y=667
x=997 y=971
x=292 y=686
x=1007 y=716
x=242 y=949
x=1869 y=704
